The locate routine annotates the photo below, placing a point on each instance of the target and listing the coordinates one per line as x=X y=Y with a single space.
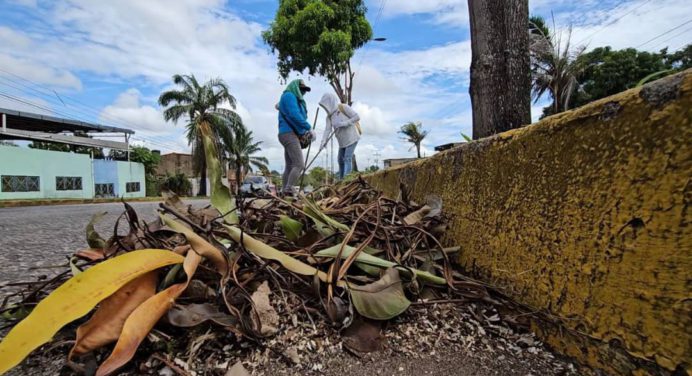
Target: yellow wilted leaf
x=75 y=298
x=266 y=251
x=200 y=245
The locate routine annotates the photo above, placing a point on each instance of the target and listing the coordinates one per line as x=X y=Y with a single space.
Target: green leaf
x=290 y=227
x=221 y=197
x=324 y=224
x=466 y=137
x=15 y=313
x=380 y=300
x=376 y=261
x=368 y=269
x=266 y=251
x=654 y=76
x=93 y=238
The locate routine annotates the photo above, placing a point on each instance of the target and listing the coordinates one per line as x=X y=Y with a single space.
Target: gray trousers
x=293 y=157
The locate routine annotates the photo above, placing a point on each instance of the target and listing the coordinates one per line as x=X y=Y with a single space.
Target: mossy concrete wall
x=584 y=215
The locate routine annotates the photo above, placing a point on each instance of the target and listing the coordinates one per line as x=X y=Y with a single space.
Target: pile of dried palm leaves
x=344 y=255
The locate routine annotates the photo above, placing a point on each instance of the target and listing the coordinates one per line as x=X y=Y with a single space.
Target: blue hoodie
x=290 y=110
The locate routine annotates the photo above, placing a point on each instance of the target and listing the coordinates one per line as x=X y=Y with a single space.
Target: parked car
x=254 y=186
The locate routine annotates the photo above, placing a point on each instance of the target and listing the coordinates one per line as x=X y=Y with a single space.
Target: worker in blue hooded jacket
x=293 y=123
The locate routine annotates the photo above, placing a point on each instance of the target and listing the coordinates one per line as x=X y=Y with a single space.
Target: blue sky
x=107 y=61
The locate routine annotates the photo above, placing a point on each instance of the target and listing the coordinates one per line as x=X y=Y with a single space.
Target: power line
x=383 y=3
x=673 y=37
x=62 y=114
x=614 y=21
x=49 y=95
x=87 y=110
x=28 y=103
x=664 y=33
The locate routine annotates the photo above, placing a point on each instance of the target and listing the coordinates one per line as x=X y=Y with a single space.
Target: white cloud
x=128 y=110
x=11 y=39
x=141 y=44
x=450 y=59
x=373 y=120
x=11 y=67
x=448 y=12
x=635 y=23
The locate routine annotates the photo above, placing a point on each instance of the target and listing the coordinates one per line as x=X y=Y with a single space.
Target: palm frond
x=174 y=113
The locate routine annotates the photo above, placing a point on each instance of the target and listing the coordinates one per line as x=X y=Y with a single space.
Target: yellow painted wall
x=584 y=214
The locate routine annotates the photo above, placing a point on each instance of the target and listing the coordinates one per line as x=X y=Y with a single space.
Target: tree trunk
x=500 y=67
x=237 y=180
x=203 y=179
x=418 y=150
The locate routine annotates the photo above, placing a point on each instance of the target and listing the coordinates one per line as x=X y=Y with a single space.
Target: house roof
x=29 y=121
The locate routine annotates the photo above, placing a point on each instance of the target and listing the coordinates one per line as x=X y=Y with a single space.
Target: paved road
x=39 y=236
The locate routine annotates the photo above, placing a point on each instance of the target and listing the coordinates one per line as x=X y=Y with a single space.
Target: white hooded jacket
x=341 y=122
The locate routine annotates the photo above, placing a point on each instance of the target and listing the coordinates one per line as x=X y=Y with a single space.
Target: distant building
x=175 y=163
x=181 y=163
x=34 y=173
x=397 y=161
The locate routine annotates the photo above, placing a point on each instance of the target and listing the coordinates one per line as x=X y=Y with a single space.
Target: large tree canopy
x=139 y=154
x=611 y=71
x=575 y=77
x=320 y=37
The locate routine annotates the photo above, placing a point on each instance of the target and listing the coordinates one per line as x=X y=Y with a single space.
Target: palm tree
x=414 y=134
x=555 y=66
x=199 y=104
x=240 y=147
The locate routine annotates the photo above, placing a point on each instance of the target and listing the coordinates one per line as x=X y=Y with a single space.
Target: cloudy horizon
x=107 y=62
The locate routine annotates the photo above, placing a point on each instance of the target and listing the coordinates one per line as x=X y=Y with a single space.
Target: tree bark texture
x=203 y=180
x=500 y=71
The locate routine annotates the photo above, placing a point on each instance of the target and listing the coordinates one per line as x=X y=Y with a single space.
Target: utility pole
x=377 y=156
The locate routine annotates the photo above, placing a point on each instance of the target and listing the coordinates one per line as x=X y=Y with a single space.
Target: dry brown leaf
x=237 y=370
x=91 y=254
x=417 y=215
x=268 y=318
x=143 y=319
x=364 y=335
x=432 y=208
x=107 y=322
x=186 y=316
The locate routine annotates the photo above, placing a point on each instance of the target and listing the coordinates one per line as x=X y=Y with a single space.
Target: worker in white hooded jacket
x=342 y=123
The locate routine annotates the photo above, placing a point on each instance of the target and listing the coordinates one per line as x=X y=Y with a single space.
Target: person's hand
x=314 y=136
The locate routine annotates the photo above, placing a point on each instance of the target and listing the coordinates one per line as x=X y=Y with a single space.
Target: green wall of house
x=130 y=172
x=49 y=165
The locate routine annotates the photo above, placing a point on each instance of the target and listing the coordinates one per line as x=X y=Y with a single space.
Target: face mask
x=303 y=91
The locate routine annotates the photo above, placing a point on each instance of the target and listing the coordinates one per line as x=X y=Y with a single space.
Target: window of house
x=68 y=183
x=132 y=186
x=104 y=190
x=18 y=183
